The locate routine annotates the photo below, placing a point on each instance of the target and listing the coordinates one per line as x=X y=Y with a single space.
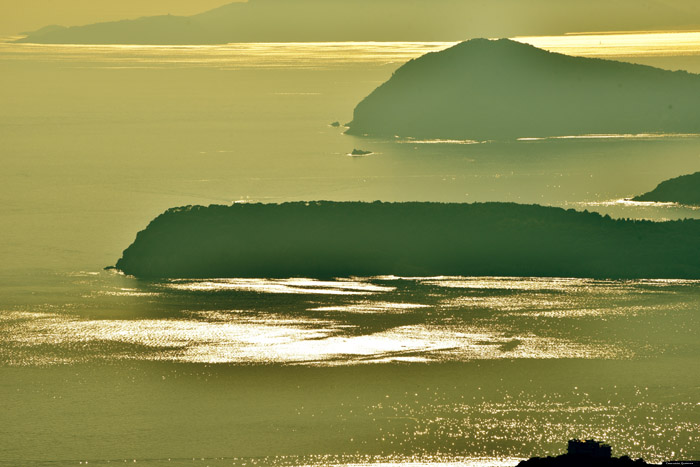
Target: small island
x=325 y=239
x=360 y=152
x=503 y=90
x=682 y=190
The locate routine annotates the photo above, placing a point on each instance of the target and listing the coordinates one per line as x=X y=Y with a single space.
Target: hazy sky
x=546 y=15
x=27 y=15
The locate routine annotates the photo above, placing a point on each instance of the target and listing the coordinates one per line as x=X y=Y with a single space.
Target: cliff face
x=329 y=239
x=684 y=190
x=483 y=89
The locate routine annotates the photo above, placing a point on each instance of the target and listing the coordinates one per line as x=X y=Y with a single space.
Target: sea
x=99 y=368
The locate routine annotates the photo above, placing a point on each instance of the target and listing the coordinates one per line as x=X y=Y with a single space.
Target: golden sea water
x=96 y=367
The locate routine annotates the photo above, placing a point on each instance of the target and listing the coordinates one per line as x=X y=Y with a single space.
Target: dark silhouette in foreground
x=589 y=453
x=683 y=190
x=501 y=89
x=331 y=239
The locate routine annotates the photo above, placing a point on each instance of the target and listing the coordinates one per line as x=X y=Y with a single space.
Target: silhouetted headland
x=683 y=190
x=501 y=89
x=589 y=453
x=331 y=239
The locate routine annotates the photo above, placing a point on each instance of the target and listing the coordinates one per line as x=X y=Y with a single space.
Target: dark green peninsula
x=329 y=239
x=683 y=190
x=501 y=89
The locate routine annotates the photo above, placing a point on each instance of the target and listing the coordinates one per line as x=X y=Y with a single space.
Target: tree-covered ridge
x=684 y=190
x=329 y=239
x=501 y=89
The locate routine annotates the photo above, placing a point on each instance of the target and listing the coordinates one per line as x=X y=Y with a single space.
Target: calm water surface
x=100 y=368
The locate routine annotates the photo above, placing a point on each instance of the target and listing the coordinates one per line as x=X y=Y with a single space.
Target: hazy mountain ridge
x=276 y=21
x=683 y=190
x=491 y=89
x=338 y=239
x=374 y=20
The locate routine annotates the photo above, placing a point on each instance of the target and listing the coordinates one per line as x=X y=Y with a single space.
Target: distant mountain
x=282 y=21
x=684 y=190
x=331 y=239
x=44 y=31
x=380 y=20
x=501 y=89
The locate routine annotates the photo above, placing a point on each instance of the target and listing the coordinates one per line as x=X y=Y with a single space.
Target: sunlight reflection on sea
x=328 y=54
x=620 y=44
x=349 y=321
x=227 y=56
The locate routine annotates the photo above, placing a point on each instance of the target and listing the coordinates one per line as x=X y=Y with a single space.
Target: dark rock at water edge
x=588 y=453
x=568 y=460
